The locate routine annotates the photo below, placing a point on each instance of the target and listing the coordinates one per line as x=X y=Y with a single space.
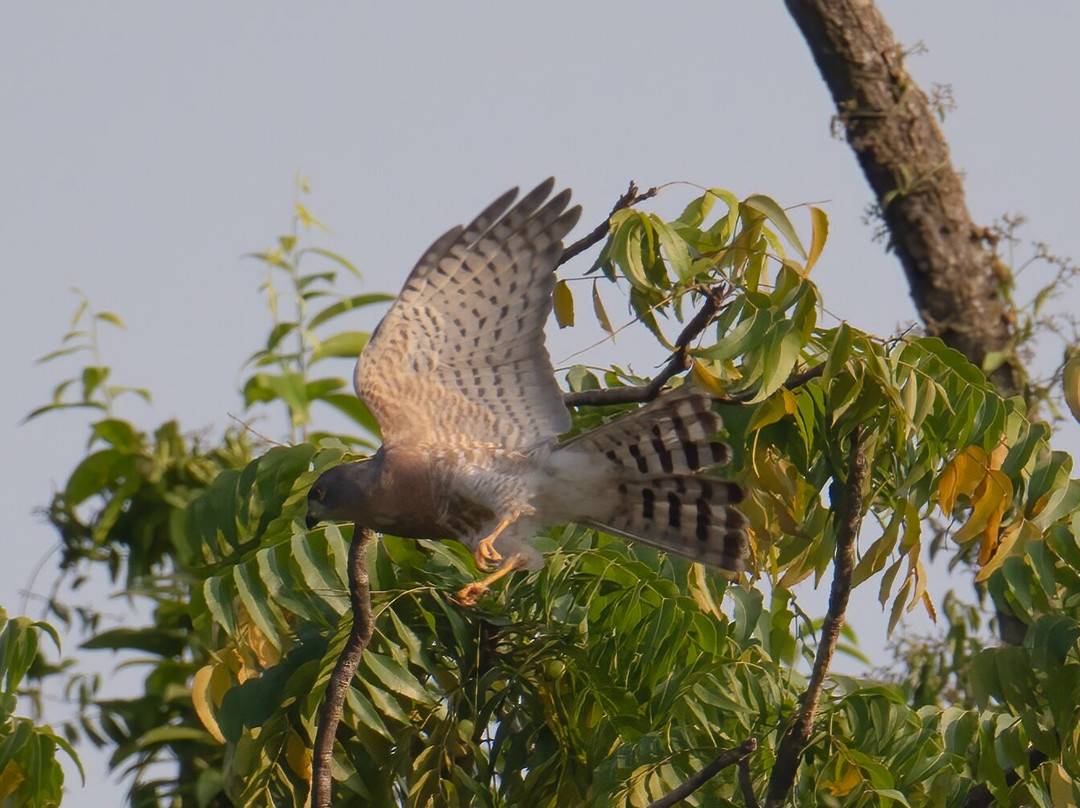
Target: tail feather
x=661 y=501
x=688 y=515
x=671 y=435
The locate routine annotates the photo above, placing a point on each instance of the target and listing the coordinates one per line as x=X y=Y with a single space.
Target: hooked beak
x=311 y=520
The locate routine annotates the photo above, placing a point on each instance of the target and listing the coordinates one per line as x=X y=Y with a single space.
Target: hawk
x=460 y=381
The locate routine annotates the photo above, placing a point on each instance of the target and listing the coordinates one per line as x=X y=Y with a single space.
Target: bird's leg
x=469 y=594
x=487 y=557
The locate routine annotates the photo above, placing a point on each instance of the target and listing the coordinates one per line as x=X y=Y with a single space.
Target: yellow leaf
x=992 y=532
x=1006 y=547
x=264 y=651
x=773 y=409
x=961 y=475
x=1062 y=791
x=997 y=457
x=844 y=784
x=989 y=502
x=1070 y=381
x=10 y=778
x=201 y=698
x=918 y=572
x=929 y=606
x=298 y=755
x=703 y=377
x=563 y=300
x=820 y=222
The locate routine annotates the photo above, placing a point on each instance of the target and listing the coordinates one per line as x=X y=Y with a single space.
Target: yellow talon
x=469 y=594
x=487 y=557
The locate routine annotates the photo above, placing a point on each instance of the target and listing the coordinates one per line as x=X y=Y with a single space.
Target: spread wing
x=459 y=359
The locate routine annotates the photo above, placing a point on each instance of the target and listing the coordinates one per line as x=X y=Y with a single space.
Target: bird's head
x=342 y=493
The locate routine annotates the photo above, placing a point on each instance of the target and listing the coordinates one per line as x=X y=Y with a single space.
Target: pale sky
x=147 y=146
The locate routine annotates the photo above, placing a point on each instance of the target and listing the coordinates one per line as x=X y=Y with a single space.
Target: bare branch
x=344 y=669
x=678 y=364
x=849 y=517
x=728 y=757
x=630 y=198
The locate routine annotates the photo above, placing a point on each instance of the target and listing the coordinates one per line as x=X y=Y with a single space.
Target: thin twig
x=729 y=757
x=631 y=197
x=746 y=784
x=344 y=669
x=678 y=363
x=849 y=517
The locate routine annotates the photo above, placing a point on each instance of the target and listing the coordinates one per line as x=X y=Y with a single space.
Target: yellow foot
x=469 y=594
x=487 y=557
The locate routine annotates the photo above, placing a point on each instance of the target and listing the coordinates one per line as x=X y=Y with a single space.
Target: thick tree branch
x=746 y=784
x=729 y=757
x=849 y=516
x=630 y=198
x=891 y=127
x=344 y=669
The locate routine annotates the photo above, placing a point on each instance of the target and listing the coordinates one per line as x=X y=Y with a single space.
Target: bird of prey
x=462 y=386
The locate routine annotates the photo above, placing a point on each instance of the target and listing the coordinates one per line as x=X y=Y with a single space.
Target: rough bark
x=889 y=123
x=333 y=704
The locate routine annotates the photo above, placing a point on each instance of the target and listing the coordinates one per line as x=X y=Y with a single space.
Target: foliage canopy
x=616 y=672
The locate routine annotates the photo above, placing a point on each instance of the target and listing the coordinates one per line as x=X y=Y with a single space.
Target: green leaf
x=160 y=641
x=775 y=214
x=120 y=434
x=839 y=353
x=674 y=248
x=173 y=734
x=94 y=474
x=92 y=379
x=395 y=676
x=337 y=259
x=347 y=344
x=347 y=304
x=782 y=348
x=256 y=600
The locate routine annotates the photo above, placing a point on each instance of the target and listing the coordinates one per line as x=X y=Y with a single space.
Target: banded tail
x=661 y=500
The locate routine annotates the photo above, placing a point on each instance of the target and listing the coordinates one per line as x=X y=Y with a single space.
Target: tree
x=615 y=675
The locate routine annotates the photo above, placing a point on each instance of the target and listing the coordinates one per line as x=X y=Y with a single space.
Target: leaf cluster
x=30 y=773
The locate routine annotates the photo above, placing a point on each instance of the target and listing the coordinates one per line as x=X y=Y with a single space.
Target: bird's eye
x=319 y=493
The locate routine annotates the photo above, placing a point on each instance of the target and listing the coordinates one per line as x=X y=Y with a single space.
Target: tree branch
x=849 y=517
x=344 y=669
x=955 y=281
x=890 y=125
x=728 y=757
x=630 y=198
x=746 y=784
